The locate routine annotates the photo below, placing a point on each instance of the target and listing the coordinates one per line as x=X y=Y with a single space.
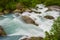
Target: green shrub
x=1 y=9
x=55 y=30
x=52 y=2
x=11 y=4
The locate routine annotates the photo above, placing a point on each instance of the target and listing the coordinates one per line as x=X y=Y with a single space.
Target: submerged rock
x=2 y=32
x=48 y=17
x=28 y=20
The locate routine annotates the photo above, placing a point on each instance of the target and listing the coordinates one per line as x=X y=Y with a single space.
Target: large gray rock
x=28 y=20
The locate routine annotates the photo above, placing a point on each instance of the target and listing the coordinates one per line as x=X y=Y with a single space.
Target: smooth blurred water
x=16 y=37
x=16 y=26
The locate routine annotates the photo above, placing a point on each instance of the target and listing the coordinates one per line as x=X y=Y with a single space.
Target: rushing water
x=15 y=27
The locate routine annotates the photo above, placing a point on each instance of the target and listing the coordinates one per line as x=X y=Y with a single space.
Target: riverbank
x=22 y=5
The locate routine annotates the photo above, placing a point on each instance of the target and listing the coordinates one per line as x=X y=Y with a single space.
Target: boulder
x=2 y=32
x=28 y=20
x=48 y=17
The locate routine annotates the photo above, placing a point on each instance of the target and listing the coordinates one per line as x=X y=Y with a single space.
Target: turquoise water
x=16 y=26
x=7 y=28
x=16 y=37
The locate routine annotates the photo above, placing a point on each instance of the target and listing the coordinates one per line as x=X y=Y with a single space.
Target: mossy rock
x=19 y=11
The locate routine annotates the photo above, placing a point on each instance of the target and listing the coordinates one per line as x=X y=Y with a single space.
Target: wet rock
x=54 y=7
x=48 y=17
x=28 y=20
x=36 y=38
x=37 y=12
x=48 y=10
x=25 y=39
x=1 y=13
x=6 y=11
x=33 y=38
x=17 y=11
x=2 y=32
x=28 y=10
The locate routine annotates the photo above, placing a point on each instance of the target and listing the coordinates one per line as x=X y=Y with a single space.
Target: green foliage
x=11 y=4
x=52 y=2
x=55 y=30
x=1 y=9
